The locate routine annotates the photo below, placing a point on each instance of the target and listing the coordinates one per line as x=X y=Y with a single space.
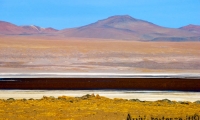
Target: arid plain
x=90 y=107
x=24 y=54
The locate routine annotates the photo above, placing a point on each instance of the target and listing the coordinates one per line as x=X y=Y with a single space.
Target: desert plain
x=35 y=54
x=24 y=54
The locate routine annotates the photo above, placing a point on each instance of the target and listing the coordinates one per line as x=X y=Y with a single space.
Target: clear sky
x=62 y=14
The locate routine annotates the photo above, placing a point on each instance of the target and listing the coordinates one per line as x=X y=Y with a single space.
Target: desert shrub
x=10 y=99
x=135 y=100
x=197 y=102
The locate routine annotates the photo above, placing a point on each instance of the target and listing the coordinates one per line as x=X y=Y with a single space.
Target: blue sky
x=62 y=14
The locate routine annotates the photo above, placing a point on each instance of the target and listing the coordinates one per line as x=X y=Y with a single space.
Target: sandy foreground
x=94 y=106
x=29 y=54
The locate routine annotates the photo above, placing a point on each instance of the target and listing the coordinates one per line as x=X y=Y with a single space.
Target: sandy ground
x=48 y=54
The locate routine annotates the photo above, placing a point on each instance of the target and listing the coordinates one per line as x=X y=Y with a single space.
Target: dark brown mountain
x=128 y=28
x=191 y=28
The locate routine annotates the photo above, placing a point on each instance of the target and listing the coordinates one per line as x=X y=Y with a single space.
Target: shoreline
x=111 y=94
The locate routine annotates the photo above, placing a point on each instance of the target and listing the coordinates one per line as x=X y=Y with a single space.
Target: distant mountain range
x=10 y=29
x=116 y=27
x=192 y=28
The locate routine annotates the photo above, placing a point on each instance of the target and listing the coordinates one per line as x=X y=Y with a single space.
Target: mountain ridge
x=127 y=28
x=9 y=28
x=122 y=27
x=37 y=29
x=191 y=27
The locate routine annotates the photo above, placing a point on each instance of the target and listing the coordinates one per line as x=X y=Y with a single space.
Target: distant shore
x=143 y=95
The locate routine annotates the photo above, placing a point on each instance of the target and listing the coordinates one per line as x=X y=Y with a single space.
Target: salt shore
x=125 y=94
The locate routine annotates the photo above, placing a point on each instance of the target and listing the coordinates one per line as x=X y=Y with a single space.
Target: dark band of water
x=179 y=84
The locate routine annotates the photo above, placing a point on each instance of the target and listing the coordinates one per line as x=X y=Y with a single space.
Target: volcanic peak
x=121 y=18
x=191 y=28
x=117 y=19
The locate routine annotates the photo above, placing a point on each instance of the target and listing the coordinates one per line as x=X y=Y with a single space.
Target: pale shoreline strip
x=124 y=94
